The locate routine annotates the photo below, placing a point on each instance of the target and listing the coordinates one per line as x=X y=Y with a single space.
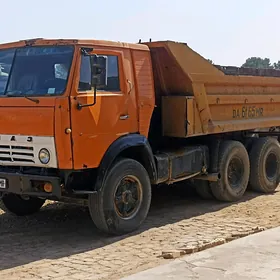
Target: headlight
x=44 y=156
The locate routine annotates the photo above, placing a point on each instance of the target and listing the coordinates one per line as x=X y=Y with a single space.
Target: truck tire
x=123 y=202
x=234 y=170
x=265 y=165
x=16 y=204
x=248 y=143
x=203 y=189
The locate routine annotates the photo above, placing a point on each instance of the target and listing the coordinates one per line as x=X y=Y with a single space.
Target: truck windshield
x=35 y=71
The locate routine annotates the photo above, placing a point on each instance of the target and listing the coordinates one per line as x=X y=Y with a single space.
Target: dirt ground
x=60 y=242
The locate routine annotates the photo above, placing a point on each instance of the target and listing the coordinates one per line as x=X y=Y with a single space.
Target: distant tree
x=257 y=62
x=276 y=65
x=211 y=61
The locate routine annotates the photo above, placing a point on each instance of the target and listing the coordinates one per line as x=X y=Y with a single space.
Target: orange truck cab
x=103 y=121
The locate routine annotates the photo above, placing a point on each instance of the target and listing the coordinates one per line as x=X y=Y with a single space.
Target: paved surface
x=253 y=257
x=60 y=241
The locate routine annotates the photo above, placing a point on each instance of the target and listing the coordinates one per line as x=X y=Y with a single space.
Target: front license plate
x=3 y=184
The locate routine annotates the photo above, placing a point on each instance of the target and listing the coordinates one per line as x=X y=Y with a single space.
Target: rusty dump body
x=199 y=98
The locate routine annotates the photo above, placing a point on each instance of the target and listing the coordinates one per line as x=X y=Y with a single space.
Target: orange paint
x=93 y=129
x=147 y=73
x=27 y=120
x=96 y=128
x=62 y=138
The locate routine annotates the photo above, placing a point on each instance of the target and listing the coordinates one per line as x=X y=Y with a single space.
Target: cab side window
x=85 y=74
x=113 y=80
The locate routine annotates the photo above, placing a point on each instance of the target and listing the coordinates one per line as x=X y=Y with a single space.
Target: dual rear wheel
x=257 y=169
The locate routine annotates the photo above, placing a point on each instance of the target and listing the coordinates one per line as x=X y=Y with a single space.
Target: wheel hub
x=235 y=172
x=271 y=166
x=128 y=197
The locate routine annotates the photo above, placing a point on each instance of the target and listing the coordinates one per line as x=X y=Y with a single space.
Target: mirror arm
x=80 y=106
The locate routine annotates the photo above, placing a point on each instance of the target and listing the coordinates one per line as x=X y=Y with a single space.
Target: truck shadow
x=61 y=230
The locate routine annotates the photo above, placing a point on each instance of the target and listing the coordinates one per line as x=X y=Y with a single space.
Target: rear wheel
x=123 y=202
x=21 y=205
x=234 y=170
x=265 y=165
x=203 y=189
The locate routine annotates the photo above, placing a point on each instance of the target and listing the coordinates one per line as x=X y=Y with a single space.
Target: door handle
x=130 y=86
x=124 y=117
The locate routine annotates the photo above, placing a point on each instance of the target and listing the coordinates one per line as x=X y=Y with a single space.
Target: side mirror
x=99 y=71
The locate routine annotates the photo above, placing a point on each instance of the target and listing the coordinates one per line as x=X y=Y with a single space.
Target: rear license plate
x=3 y=184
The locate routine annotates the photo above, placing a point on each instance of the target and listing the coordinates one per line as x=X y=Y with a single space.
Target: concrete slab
x=252 y=257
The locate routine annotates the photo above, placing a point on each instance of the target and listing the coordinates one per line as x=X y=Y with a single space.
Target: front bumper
x=27 y=184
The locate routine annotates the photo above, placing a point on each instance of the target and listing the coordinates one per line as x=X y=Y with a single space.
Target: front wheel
x=21 y=205
x=123 y=202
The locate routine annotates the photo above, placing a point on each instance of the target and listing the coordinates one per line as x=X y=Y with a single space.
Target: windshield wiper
x=19 y=93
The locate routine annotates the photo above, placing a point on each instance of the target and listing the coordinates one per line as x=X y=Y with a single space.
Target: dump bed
x=199 y=98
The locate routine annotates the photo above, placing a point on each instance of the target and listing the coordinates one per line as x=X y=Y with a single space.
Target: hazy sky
x=225 y=31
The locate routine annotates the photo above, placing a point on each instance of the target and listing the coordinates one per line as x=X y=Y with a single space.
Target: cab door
x=96 y=127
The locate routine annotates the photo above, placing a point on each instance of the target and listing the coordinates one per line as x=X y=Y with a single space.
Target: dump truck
x=103 y=122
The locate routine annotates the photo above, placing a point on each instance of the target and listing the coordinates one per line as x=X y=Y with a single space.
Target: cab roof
x=44 y=42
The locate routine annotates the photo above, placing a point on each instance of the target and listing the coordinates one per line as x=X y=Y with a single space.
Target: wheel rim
x=128 y=197
x=271 y=166
x=235 y=172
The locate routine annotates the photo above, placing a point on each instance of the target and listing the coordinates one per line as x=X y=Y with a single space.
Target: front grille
x=20 y=154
